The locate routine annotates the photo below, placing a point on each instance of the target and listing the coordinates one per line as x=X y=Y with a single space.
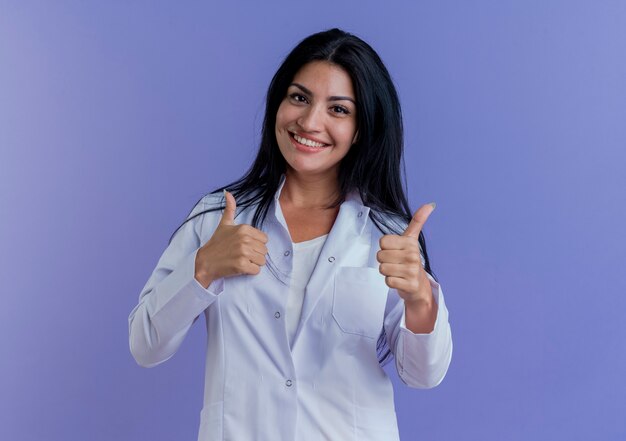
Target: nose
x=311 y=119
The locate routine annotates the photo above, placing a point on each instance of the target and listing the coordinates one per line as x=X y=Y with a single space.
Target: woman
x=308 y=269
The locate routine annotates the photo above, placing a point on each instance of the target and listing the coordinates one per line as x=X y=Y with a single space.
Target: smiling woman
x=310 y=270
x=316 y=121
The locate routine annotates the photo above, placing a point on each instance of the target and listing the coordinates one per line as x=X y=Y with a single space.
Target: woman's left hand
x=401 y=264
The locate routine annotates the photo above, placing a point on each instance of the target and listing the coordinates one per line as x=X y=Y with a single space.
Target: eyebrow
x=330 y=98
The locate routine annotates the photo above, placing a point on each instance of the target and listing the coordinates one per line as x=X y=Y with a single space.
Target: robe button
x=288 y=383
x=360 y=214
x=331 y=259
x=277 y=314
x=287 y=253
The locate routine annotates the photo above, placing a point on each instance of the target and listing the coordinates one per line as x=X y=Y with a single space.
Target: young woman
x=310 y=270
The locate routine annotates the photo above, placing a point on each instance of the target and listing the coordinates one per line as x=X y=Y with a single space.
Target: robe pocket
x=211 y=420
x=359 y=299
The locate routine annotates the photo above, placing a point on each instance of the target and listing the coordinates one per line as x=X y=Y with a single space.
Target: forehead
x=325 y=78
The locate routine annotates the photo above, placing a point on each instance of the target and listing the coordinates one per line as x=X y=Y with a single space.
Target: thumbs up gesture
x=233 y=249
x=400 y=260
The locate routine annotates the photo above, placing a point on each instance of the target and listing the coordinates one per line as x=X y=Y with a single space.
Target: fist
x=400 y=259
x=232 y=250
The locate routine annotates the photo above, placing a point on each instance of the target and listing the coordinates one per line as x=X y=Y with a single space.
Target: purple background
x=116 y=116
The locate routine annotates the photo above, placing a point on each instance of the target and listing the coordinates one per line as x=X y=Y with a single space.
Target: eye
x=298 y=97
x=340 y=109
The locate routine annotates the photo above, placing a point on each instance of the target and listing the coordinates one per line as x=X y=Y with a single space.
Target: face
x=316 y=121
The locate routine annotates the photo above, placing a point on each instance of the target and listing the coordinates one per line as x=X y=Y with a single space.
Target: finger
x=395 y=242
x=419 y=219
x=228 y=218
x=252 y=268
x=402 y=270
x=254 y=233
x=257 y=258
x=251 y=251
x=244 y=264
x=398 y=256
x=245 y=247
x=400 y=284
x=258 y=247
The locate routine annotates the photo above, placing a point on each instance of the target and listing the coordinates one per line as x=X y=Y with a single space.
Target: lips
x=305 y=148
x=305 y=140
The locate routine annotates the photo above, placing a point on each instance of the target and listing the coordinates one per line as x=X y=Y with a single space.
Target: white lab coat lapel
x=339 y=246
x=335 y=253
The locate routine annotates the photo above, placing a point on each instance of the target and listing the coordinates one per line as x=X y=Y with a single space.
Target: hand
x=233 y=249
x=400 y=260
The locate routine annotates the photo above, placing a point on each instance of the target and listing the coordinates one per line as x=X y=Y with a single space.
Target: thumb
x=228 y=218
x=419 y=219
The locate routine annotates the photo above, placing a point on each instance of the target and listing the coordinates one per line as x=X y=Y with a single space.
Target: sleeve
x=172 y=298
x=422 y=360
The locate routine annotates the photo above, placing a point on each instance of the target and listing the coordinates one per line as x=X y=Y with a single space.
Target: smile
x=307 y=142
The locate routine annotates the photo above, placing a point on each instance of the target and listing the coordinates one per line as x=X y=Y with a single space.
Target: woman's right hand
x=233 y=249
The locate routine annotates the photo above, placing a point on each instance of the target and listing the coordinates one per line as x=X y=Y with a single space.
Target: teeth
x=308 y=142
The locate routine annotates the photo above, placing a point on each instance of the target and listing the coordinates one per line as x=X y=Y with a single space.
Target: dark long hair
x=373 y=166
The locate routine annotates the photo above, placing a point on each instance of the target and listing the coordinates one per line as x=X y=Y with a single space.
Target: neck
x=309 y=192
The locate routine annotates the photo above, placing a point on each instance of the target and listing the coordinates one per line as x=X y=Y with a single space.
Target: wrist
x=420 y=303
x=201 y=274
x=420 y=315
x=422 y=299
